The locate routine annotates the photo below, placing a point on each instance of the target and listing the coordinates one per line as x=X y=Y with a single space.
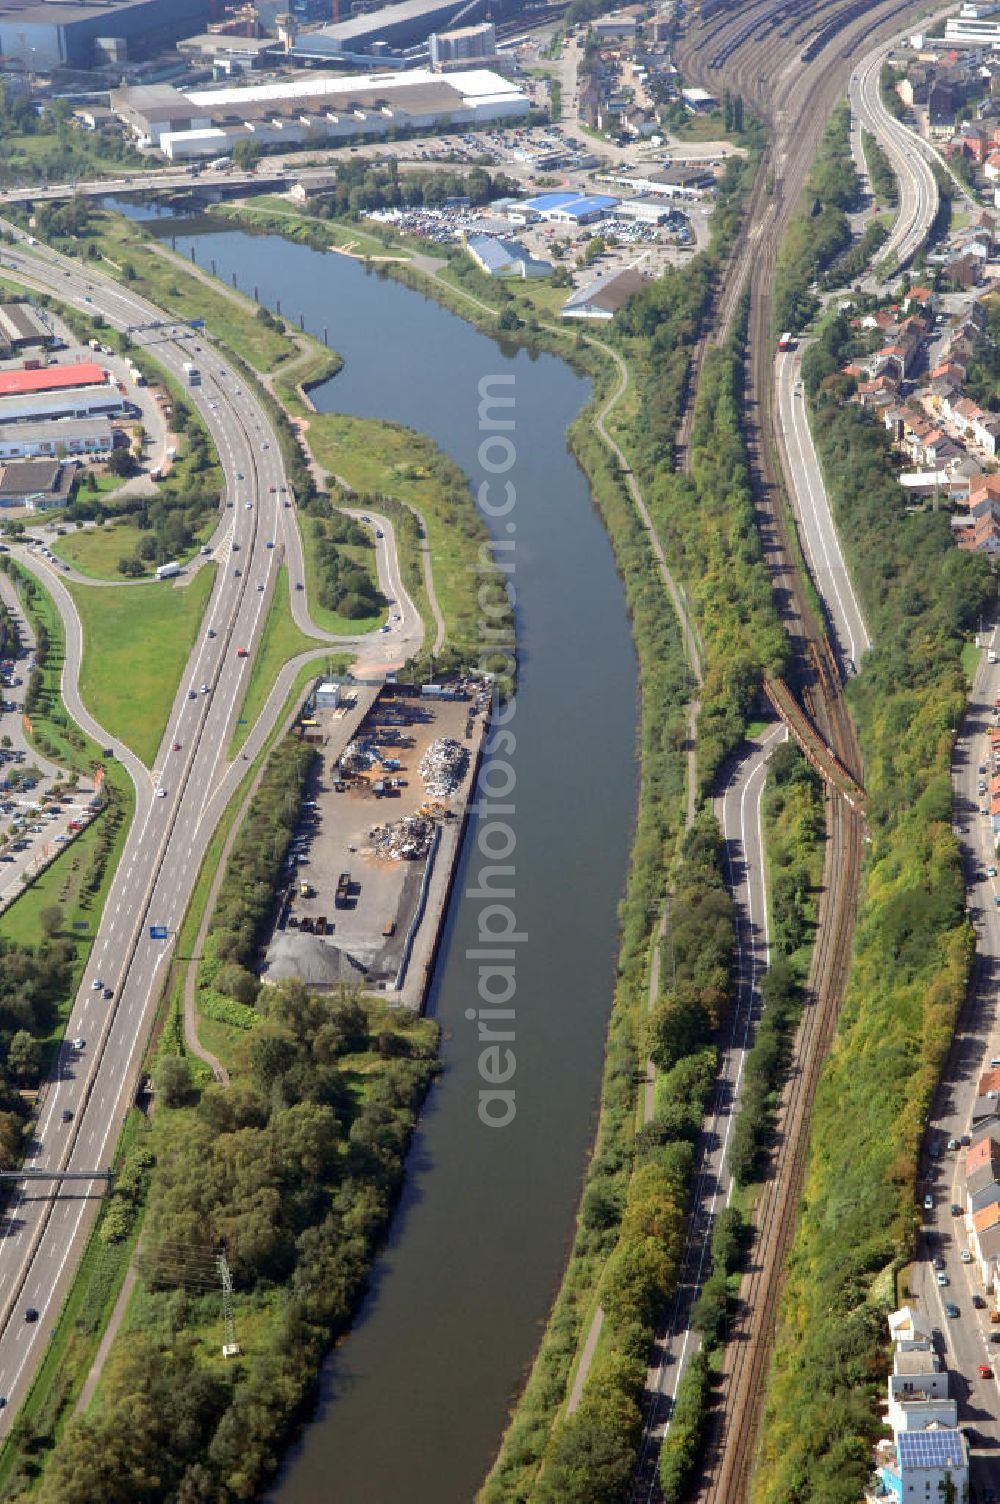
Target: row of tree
x=815 y=238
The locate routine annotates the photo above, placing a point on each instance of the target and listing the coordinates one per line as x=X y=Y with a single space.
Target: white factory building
x=963 y=31
x=312 y=107
x=70 y=436
x=68 y=402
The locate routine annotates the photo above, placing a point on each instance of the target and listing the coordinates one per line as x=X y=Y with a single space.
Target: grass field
x=280 y=641
x=137 y=641
x=96 y=550
x=970 y=660
x=376 y=456
x=167 y=281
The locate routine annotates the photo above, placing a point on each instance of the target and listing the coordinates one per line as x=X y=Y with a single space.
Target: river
x=415 y=1400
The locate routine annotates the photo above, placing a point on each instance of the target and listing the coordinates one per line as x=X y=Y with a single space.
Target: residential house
x=985 y=1241
x=965 y=270
x=927 y=1465
x=919 y=298
x=983 y=1158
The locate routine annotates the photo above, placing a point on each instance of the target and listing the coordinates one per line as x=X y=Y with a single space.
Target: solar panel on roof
x=930 y=1449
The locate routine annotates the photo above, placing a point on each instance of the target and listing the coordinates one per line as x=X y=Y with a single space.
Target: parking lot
x=41 y=813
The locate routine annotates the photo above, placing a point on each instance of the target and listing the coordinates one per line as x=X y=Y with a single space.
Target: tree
x=122 y=462
x=172 y=1077
x=52 y=918
x=24 y=1057
x=246 y=155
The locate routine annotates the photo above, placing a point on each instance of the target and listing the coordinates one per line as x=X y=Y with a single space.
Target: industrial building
x=602 y=298
x=498 y=257
x=466 y=44
x=21 y=328
x=35 y=484
x=390 y=29
x=572 y=208
x=28 y=405
x=66 y=436
x=961 y=31
x=315 y=107
x=43 y=34
x=152 y=111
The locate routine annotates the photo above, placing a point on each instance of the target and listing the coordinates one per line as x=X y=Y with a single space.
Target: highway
x=918 y=192
x=178 y=804
x=809 y=499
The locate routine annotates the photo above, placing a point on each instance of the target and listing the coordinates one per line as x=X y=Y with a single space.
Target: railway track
x=810 y=90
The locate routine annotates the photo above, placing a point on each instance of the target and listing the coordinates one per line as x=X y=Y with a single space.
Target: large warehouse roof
x=476 y=84
x=51 y=378
x=339 y=35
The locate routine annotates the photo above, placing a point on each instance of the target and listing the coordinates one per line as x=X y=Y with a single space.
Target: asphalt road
x=738 y=810
x=808 y=492
x=178 y=804
x=918 y=194
x=964 y=1342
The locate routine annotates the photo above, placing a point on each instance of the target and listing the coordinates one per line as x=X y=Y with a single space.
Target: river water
x=414 y=1401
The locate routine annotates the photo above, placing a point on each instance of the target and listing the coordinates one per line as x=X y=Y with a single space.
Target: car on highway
x=260 y=588
x=79 y=1043
x=31 y=1314
x=177 y=746
x=270 y=542
x=96 y=985
x=979 y=1303
x=938 y=1261
x=237 y=573
x=241 y=652
x=204 y=689
x=248 y=506
x=161 y=793
x=965 y=1256
x=67 y=1116
x=951 y=1311
x=299 y=585
x=985 y=1371
x=956 y=1210
x=943 y=1280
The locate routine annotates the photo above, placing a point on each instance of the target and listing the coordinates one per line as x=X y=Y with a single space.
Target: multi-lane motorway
x=822 y=545
x=178 y=804
x=918 y=194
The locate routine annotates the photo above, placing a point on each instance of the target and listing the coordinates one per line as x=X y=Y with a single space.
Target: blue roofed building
x=572 y=208
x=499 y=257
x=926 y=1465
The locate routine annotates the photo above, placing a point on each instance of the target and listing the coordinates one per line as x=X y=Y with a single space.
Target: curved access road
x=918 y=191
x=738 y=810
x=178 y=805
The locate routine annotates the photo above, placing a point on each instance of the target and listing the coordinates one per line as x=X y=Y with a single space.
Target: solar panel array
x=930 y=1448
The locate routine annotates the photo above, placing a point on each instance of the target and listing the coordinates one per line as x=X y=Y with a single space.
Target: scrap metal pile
x=404 y=840
x=442 y=766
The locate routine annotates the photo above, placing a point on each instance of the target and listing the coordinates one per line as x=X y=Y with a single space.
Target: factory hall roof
x=51 y=378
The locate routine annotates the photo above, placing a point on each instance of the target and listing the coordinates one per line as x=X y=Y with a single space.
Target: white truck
x=167 y=571
x=192 y=375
